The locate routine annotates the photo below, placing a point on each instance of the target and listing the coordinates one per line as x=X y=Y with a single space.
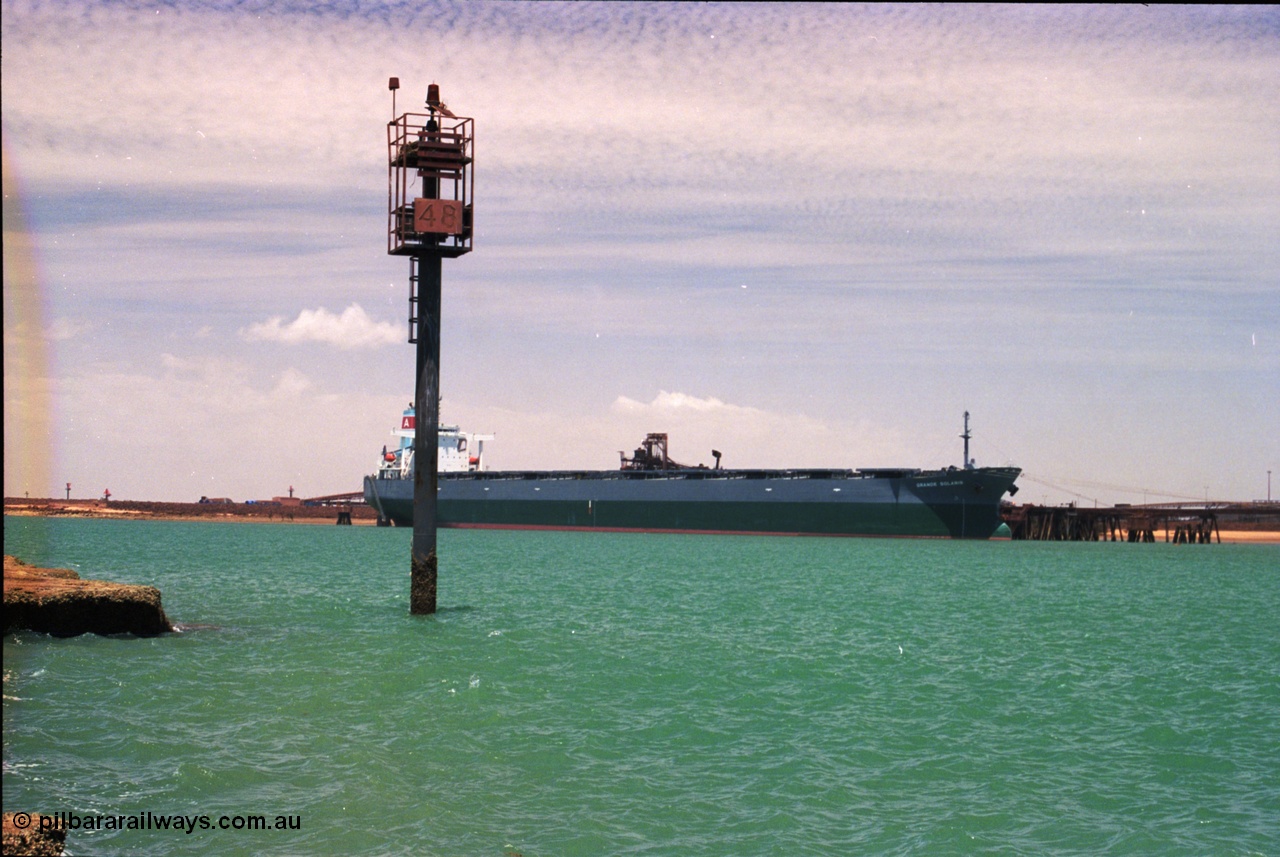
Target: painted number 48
x=441 y=216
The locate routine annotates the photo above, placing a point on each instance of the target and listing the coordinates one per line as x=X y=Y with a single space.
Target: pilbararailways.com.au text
x=153 y=821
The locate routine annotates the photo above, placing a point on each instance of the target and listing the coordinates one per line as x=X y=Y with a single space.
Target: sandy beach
x=1242 y=537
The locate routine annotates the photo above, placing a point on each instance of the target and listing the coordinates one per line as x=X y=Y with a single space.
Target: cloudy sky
x=806 y=235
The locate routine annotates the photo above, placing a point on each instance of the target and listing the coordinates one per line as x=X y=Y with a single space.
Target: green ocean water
x=615 y=694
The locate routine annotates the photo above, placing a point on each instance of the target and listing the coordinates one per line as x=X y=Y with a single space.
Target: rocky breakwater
x=56 y=601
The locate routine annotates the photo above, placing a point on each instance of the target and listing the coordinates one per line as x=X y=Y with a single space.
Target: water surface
x=602 y=693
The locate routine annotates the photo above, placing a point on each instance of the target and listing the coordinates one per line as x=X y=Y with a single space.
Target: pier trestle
x=1134 y=524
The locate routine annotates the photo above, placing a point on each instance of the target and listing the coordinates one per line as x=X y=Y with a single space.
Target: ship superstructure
x=457 y=451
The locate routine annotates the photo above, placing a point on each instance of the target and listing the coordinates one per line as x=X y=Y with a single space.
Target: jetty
x=1176 y=523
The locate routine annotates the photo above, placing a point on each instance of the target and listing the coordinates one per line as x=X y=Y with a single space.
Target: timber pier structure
x=1177 y=523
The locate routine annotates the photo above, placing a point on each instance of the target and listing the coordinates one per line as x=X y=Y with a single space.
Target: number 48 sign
x=443 y=216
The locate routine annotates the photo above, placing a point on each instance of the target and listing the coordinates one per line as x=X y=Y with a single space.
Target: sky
x=804 y=235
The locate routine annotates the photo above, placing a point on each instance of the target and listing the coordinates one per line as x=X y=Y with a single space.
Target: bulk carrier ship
x=651 y=493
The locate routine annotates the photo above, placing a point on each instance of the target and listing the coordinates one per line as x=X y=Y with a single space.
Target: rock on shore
x=22 y=834
x=56 y=601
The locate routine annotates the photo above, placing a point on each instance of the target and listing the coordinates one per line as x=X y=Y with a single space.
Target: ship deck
x=814 y=473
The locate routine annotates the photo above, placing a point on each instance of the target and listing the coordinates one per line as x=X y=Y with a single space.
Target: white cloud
x=64 y=328
x=192 y=426
x=292 y=383
x=677 y=404
x=352 y=329
x=747 y=436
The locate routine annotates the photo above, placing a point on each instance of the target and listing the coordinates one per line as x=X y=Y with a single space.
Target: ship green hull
x=794 y=518
x=939 y=504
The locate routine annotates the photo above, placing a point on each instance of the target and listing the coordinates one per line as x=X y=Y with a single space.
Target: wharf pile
x=1177 y=523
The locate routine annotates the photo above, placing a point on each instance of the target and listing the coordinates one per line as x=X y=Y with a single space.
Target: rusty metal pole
x=435 y=146
x=426 y=417
x=423 y=567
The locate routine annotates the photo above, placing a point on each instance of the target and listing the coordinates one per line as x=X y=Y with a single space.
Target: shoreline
x=1239 y=537
x=361 y=515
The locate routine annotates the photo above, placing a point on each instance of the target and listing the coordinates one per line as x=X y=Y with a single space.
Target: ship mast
x=968 y=462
